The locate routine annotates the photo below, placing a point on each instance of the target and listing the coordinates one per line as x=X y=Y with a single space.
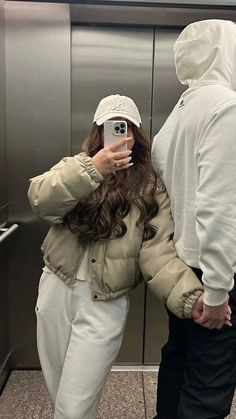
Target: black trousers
x=197 y=375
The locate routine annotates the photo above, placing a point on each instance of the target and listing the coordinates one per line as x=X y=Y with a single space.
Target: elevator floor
x=127 y=395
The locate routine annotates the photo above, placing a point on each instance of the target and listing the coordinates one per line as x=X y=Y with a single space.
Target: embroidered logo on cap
x=117 y=104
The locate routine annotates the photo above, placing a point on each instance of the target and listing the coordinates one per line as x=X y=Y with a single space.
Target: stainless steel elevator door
x=166 y=91
x=105 y=61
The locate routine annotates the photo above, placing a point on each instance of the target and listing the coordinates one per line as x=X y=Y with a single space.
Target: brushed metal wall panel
x=153 y=14
x=3 y=208
x=106 y=61
x=3 y=303
x=3 y=189
x=166 y=86
x=166 y=91
x=4 y=347
x=38 y=135
x=180 y=2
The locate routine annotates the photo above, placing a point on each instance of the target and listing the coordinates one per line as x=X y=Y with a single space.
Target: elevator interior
x=60 y=60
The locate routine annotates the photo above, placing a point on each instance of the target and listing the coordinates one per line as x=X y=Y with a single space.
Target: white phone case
x=114 y=131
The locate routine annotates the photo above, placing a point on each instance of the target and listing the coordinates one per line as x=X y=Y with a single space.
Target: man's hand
x=211 y=317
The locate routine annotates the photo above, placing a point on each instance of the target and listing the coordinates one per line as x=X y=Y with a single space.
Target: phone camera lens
x=117 y=128
x=122 y=125
x=122 y=131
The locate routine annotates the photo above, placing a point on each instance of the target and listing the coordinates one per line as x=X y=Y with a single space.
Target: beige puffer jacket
x=119 y=264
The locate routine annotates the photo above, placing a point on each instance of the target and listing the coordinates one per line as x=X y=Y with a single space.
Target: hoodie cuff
x=214 y=297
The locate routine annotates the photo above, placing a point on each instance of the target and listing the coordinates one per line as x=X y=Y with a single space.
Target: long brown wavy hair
x=101 y=215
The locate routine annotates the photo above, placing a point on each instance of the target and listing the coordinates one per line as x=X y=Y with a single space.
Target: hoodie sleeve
x=216 y=204
x=56 y=192
x=167 y=275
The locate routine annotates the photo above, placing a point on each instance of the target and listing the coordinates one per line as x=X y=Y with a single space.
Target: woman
x=111 y=227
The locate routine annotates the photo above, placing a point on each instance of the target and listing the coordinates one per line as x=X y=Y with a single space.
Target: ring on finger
x=117 y=164
x=208 y=325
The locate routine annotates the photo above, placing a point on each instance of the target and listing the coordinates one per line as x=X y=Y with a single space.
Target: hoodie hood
x=205 y=53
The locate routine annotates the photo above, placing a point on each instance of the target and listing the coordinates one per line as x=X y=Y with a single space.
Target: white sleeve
x=216 y=204
x=154 y=154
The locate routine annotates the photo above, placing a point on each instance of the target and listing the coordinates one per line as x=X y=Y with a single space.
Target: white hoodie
x=195 y=153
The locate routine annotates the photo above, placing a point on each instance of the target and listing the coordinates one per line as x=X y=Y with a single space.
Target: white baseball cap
x=116 y=105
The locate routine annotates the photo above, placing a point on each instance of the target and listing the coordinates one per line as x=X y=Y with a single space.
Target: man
x=195 y=153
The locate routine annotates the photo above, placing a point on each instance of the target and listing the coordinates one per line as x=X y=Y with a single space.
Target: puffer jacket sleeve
x=56 y=192
x=167 y=275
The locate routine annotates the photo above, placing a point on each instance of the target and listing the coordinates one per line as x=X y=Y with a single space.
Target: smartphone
x=114 y=131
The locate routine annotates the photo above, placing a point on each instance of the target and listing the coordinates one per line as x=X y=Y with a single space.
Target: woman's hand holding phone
x=110 y=160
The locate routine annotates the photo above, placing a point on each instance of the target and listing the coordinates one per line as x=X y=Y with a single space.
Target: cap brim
x=104 y=118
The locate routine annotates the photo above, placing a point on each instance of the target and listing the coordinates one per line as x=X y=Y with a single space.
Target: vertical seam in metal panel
x=70 y=118
x=144 y=323
x=153 y=71
x=145 y=290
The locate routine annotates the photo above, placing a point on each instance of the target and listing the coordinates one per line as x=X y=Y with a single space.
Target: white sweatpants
x=78 y=340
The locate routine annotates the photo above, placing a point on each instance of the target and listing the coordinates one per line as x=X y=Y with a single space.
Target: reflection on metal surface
x=107 y=61
x=4 y=213
x=160 y=15
x=38 y=135
x=166 y=86
x=167 y=2
x=7 y=231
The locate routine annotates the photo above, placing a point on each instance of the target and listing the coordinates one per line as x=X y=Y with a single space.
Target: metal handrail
x=7 y=231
